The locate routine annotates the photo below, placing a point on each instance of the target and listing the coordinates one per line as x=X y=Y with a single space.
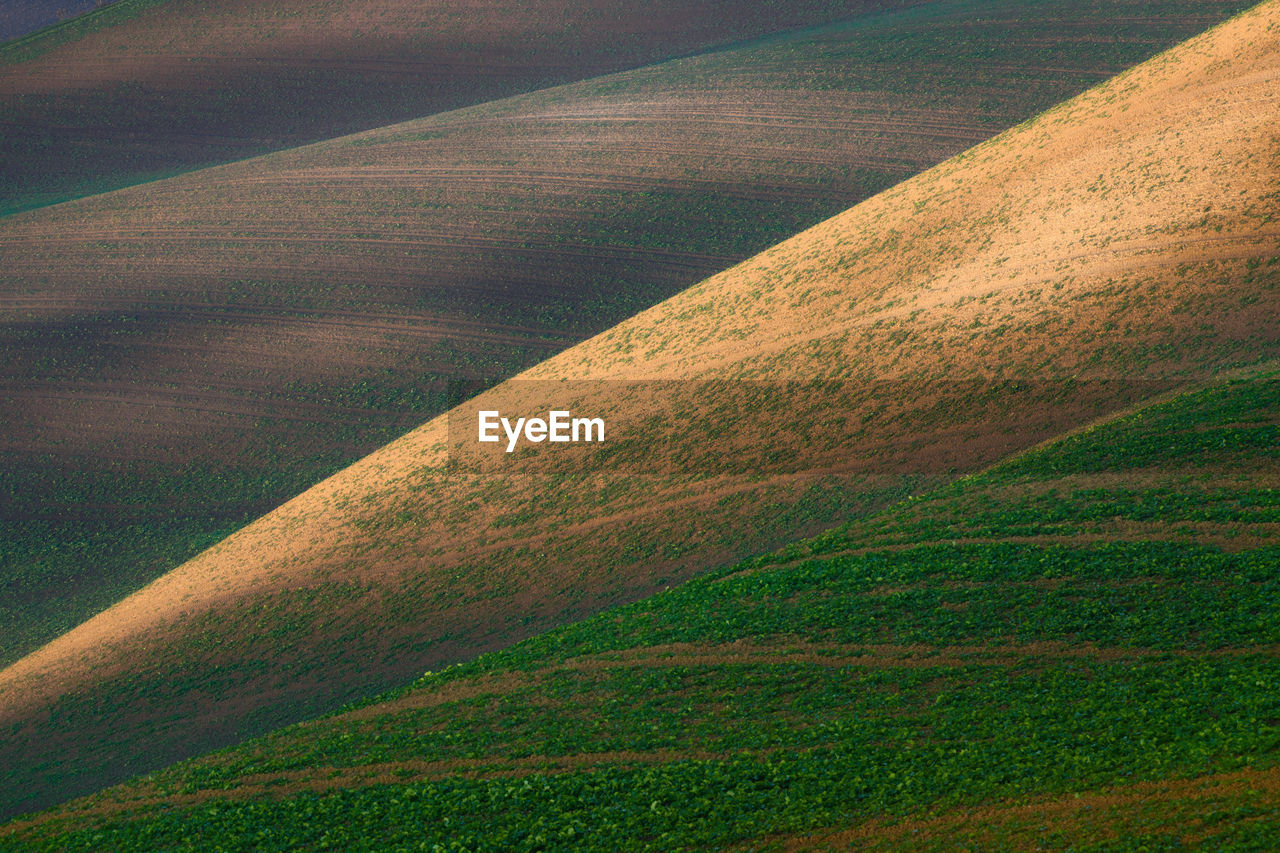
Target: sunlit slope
x=1115 y=247
x=147 y=87
x=180 y=358
x=1077 y=646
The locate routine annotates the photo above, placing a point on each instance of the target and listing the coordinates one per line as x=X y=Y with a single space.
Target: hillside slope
x=147 y=87
x=1078 y=646
x=179 y=358
x=1118 y=245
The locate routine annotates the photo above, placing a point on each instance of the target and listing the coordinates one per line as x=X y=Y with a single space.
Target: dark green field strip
x=1037 y=609
x=1238 y=811
x=673 y=708
x=1210 y=455
x=1154 y=595
x=996 y=735
x=1081 y=512
x=1205 y=427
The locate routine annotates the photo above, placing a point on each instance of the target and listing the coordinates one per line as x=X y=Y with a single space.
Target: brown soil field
x=180 y=357
x=146 y=88
x=1117 y=246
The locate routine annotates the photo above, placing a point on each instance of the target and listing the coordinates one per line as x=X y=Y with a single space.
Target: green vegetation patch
x=808 y=691
x=998 y=734
x=1209 y=455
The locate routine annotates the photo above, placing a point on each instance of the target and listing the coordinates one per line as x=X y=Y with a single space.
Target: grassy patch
x=903 y=692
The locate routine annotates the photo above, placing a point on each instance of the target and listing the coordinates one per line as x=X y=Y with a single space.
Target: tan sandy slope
x=1123 y=243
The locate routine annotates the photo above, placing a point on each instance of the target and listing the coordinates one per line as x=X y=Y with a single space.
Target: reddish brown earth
x=147 y=88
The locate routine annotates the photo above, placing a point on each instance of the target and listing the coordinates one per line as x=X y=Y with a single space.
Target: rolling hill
x=1076 y=647
x=180 y=357
x=1118 y=246
x=142 y=88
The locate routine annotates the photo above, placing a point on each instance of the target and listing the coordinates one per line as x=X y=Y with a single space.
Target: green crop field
x=844 y=683
x=991 y=303
x=940 y=504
